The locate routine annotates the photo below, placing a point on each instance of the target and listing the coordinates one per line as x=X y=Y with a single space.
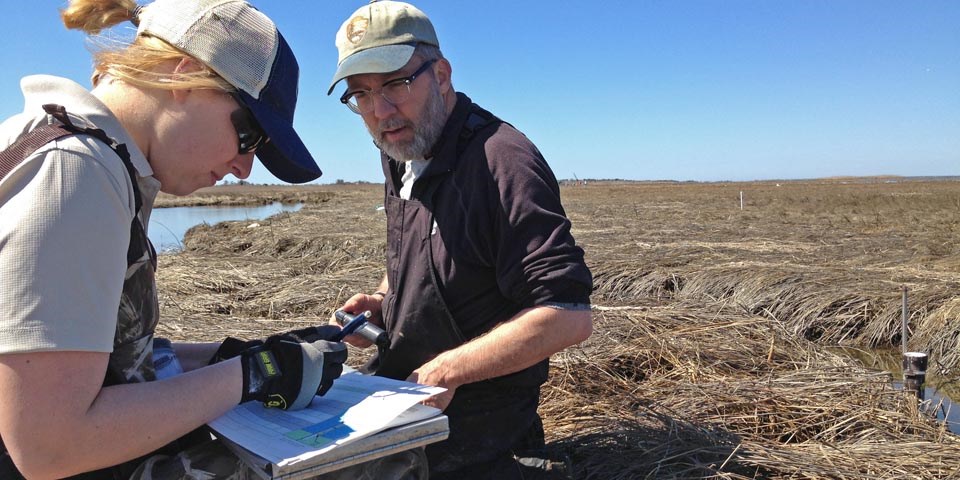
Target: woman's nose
x=241 y=165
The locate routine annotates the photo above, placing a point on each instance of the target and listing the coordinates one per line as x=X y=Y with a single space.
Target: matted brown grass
x=709 y=355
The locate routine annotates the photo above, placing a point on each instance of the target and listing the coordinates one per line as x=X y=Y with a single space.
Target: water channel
x=169 y=225
x=941 y=393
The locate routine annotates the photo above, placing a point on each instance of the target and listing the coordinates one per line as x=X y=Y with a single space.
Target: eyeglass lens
x=395 y=91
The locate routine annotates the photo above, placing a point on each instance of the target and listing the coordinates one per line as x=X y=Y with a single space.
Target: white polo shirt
x=65 y=216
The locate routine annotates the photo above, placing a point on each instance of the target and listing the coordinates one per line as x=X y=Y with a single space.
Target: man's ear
x=443 y=72
x=186 y=65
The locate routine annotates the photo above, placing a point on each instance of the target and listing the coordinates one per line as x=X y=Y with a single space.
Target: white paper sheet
x=355 y=407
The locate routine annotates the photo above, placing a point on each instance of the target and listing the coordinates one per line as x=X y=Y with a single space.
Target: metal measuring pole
x=914 y=363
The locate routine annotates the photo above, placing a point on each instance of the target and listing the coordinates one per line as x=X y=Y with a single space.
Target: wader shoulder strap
x=477 y=120
x=17 y=152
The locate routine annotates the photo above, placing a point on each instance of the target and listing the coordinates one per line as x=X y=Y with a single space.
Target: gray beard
x=426 y=130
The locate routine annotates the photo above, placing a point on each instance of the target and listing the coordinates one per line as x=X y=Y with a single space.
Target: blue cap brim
x=285 y=155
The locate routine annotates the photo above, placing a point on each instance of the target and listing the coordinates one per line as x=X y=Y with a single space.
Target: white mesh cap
x=244 y=47
x=235 y=40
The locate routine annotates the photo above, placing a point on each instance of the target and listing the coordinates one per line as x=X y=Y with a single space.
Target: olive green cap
x=380 y=38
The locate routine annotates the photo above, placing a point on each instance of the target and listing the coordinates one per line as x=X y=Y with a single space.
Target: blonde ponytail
x=92 y=16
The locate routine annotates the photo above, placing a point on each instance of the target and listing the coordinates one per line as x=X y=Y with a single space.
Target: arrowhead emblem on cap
x=357 y=28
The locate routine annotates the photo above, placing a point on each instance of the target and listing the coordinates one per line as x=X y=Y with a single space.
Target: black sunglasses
x=249 y=134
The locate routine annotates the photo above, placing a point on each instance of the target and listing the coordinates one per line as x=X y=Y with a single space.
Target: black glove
x=312 y=334
x=286 y=373
x=231 y=347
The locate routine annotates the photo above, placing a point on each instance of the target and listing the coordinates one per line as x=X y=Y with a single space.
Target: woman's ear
x=186 y=65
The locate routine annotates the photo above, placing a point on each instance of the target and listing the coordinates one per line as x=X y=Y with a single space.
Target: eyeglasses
x=395 y=91
x=249 y=134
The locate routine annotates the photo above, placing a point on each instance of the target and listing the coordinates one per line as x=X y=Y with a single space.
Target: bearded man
x=484 y=280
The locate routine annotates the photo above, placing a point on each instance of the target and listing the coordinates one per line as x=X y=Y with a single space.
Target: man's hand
x=359 y=303
x=529 y=337
x=285 y=372
x=432 y=373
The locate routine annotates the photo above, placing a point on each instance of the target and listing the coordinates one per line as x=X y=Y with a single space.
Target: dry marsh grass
x=827 y=259
x=682 y=392
x=709 y=355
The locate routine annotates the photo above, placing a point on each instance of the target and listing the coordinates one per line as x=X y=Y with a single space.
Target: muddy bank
x=246 y=195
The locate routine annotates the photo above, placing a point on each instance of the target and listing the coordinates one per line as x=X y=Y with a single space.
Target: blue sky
x=643 y=90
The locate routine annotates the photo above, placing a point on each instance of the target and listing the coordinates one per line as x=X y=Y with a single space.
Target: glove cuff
x=231 y=347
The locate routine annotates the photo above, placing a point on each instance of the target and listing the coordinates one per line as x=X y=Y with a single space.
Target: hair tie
x=135 y=15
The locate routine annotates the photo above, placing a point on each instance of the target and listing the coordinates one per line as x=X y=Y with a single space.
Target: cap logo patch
x=357 y=28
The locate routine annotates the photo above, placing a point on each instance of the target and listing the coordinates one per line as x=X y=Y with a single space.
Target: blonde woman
x=204 y=87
